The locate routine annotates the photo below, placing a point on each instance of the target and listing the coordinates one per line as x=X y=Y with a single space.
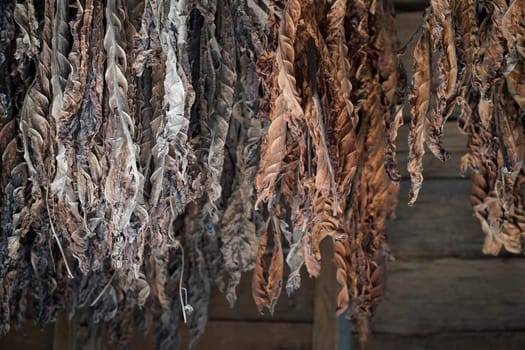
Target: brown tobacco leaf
x=516 y=78
x=91 y=162
x=512 y=21
x=74 y=90
x=171 y=152
x=520 y=41
x=325 y=223
x=275 y=271
x=123 y=180
x=369 y=237
x=220 y=117
x=324 y=179
x=14 y=208
x=516 y=83
x=28 y=42
x=390 y=152
x=420 y=99
x=238 y=230
x=60 y=69
x=34 y=126
x=342 y=255
x=80 y=29
x=468 y=43
x=267 y=282
x=259 y=280
x=490 y=102
x=360 y=177
x=491 y=54
x=442 y=38
x=447 y=61
x=393 y=85
x=36 y=139
x=486 y=210
x=346 y=121
x=238 y=224
x=286 y=107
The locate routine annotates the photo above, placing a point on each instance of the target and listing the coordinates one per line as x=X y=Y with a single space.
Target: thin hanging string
x=103 y=290
x=187 y=309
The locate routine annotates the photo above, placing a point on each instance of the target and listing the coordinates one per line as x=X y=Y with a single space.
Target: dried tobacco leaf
x=286 y=107
x=131 y=157
x=420 y=108
x=488 y=87
x=329 y=157
x=97 y=152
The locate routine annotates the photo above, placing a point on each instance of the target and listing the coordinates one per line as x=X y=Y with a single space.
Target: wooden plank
x=28 y=337
x=61 y=333
x=440 y=224
x=453 y=139
x=295 y=308
x=228 y=335
x=408 y=2
x=139 y=342
x=324 y=335
x=410 y=5
x=454 y=341
x=344 y=333
x=219 y=335
x=224 y=335
x=452 y=295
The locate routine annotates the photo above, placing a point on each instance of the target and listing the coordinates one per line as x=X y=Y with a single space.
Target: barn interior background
x=130 y=152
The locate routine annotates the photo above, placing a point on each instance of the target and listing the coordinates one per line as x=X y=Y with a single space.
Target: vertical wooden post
x=344 y=333
x=66 y=331
x=324 y=333
x=61 y=332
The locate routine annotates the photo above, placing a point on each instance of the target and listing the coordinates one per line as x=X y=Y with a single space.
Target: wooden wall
x=442 y=293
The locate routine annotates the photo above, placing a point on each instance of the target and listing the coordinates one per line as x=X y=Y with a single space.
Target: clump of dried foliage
x=334 y=88
x=153 y=149
x=470 y=59
x=122 y=125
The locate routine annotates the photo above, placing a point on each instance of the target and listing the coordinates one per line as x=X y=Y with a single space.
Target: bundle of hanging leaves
x=334 y=86
x=153 y=149
x=470 y=60
x=129 y=139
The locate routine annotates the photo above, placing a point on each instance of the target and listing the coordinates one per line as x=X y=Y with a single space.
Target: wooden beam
x=447 y=341
x=344 y=333
x=224 y=335
x=426 y=297
x=61 y=333
x=28 y=337
x=324 y=335
x=440 y=224
x=410 y=5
